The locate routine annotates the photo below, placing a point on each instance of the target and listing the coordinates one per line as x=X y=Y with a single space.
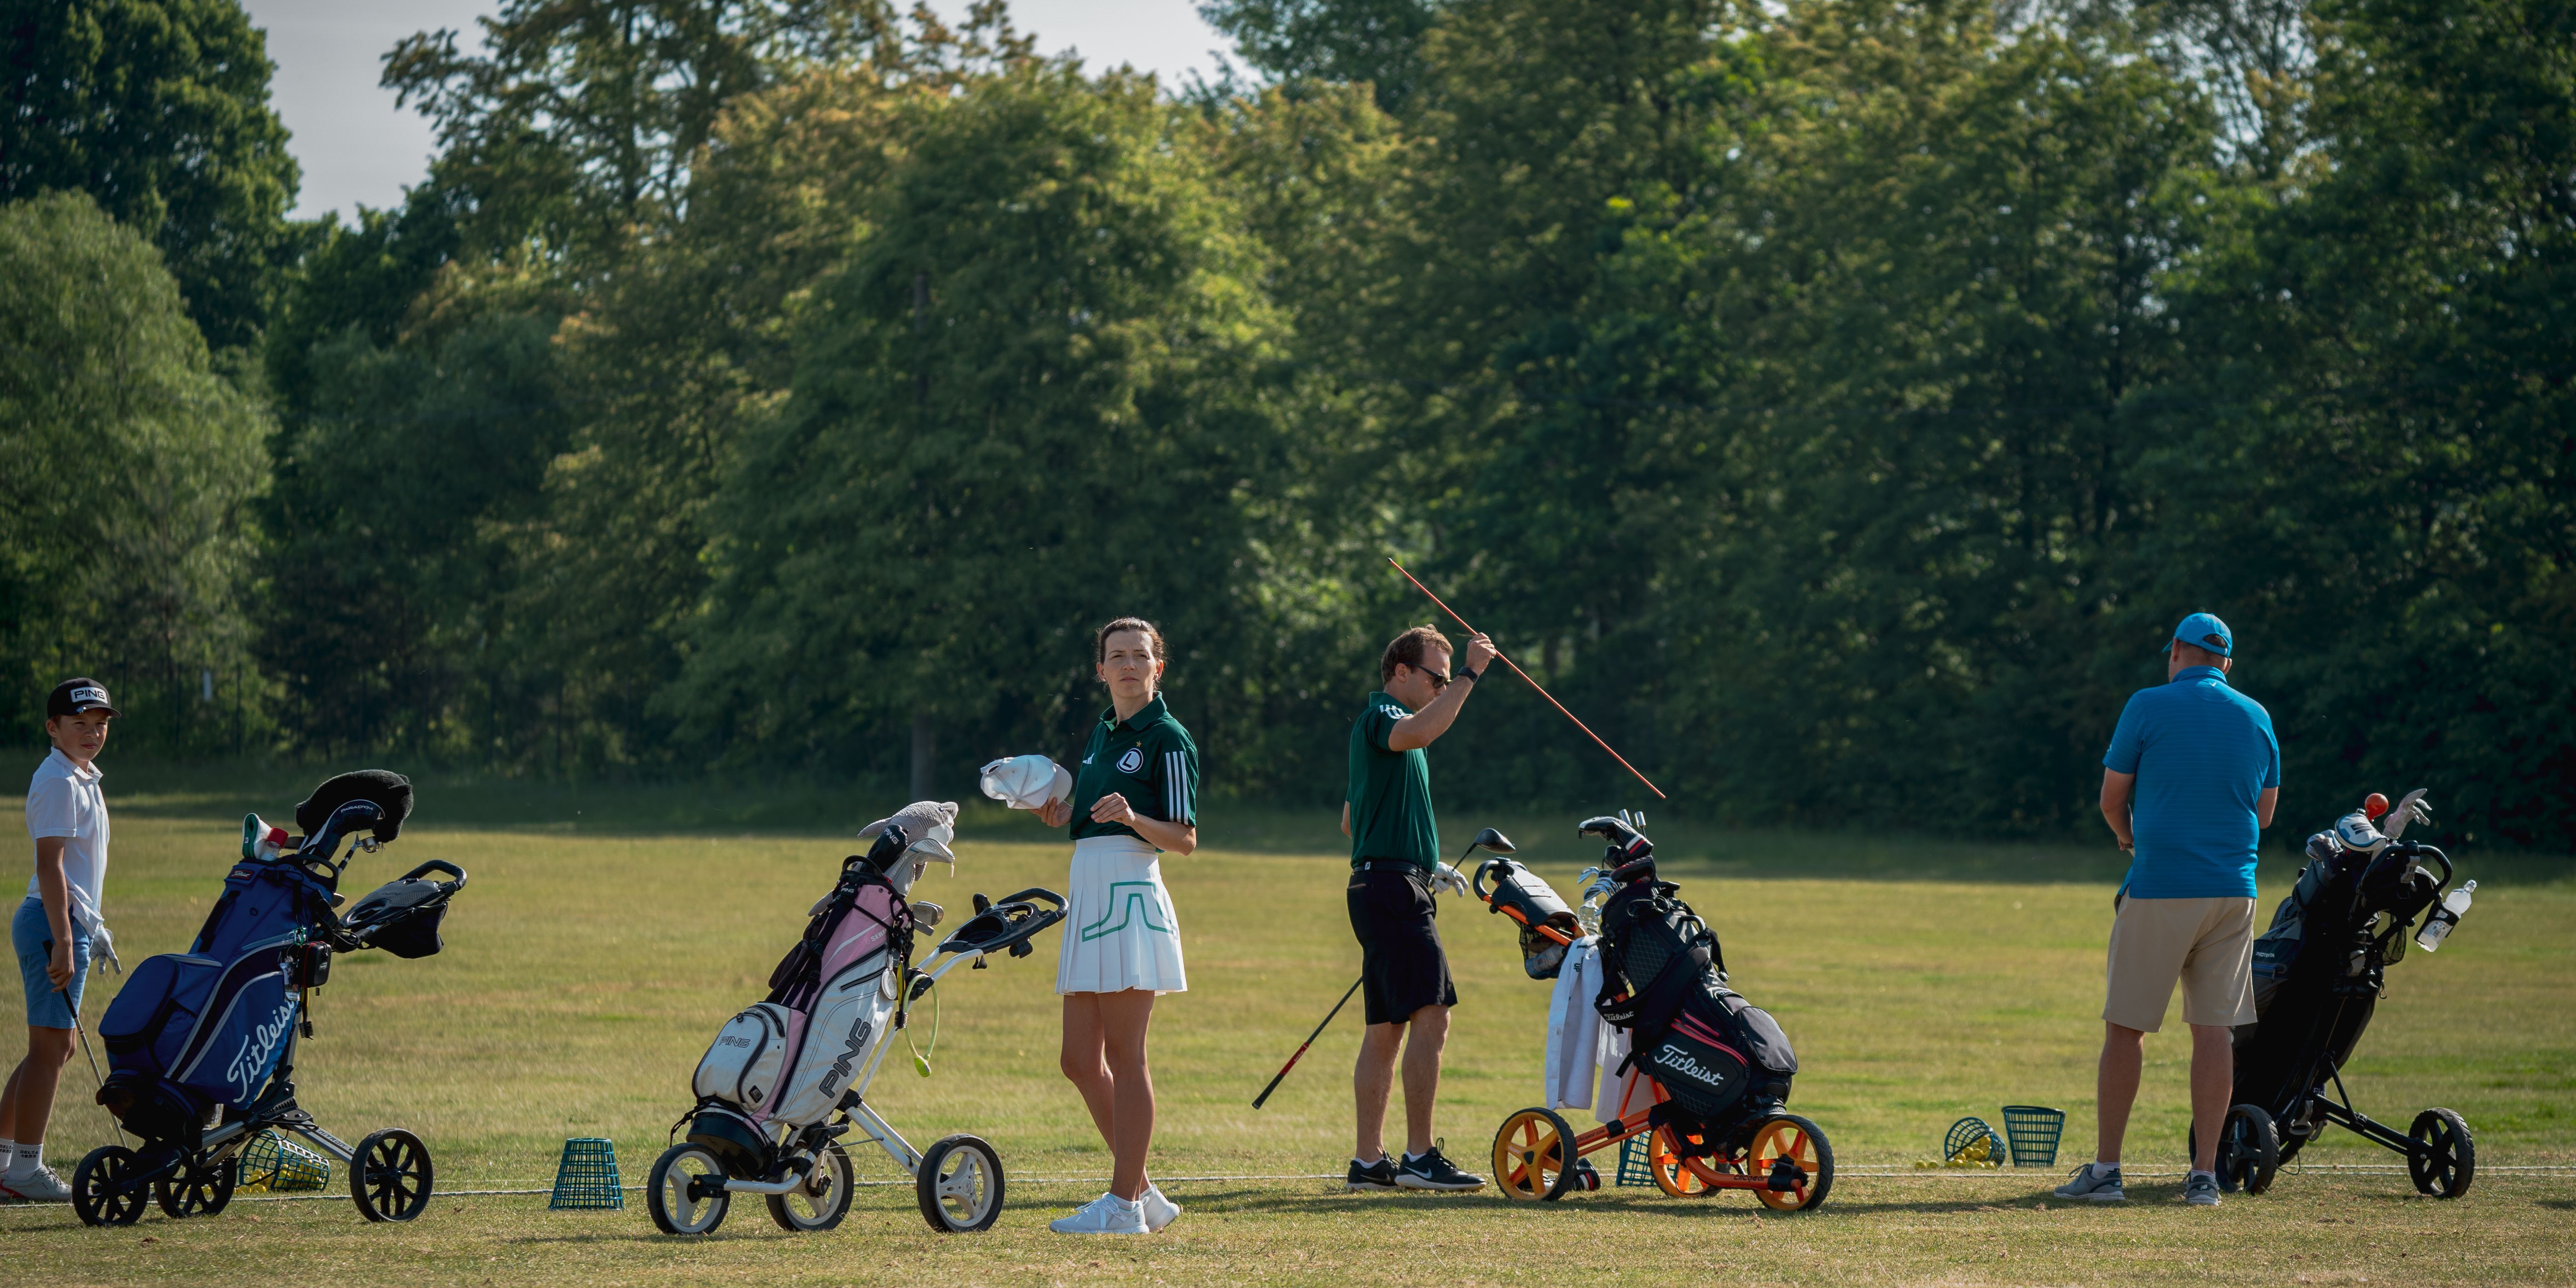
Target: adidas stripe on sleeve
x=1177 y=794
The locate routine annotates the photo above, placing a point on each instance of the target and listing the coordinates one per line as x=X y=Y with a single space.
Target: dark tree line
x=1835 y=402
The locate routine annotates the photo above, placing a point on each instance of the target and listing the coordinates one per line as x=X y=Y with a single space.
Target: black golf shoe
x=1379 y=1175
x=1428 y=1170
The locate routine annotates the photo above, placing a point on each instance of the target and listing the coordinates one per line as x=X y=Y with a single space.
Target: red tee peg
x=2374 y=805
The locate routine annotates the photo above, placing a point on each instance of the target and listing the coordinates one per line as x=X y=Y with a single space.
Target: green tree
x=126 y=469
x=399 y=491
x=159 y=110
x=1024 y=407
x=672 y=357
x=2370 y=475
x=578 y=120
x=1377 y=43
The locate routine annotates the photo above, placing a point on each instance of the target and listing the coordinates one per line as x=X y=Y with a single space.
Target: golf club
x=1542 y=692
x=1489 y=839
x=82 y=1031
x=1310 y=1041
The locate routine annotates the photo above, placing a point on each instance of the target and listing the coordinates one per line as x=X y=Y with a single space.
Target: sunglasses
x=1438 y=681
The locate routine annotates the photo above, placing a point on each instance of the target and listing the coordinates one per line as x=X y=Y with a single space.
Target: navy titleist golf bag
x=202 y=1043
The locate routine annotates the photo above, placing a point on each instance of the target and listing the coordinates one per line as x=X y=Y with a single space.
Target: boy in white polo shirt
x=57 y=926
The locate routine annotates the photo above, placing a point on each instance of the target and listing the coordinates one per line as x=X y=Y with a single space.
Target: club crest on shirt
x=1132 y=761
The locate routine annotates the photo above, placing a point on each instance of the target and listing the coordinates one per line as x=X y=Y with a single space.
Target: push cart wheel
x=107 y=1187
x=2249 y=1149
x=200 y=1189
x=1675 y=1175
x=1794 y=1152
x=959 y=1184
x=824 y=1198
x=389 y=1176
x=2444 y=1158
x=1534 y=1156
x=685 y=1191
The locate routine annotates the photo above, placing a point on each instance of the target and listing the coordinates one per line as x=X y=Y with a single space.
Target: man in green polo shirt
x=1395 y=868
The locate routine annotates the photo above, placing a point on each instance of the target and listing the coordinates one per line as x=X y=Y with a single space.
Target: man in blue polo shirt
x=2187 y=787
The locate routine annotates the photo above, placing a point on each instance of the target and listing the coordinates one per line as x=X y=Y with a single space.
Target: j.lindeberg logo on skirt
x=1120 y=931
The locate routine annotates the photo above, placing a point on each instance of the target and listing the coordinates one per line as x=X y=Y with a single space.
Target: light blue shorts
x=46 y=1008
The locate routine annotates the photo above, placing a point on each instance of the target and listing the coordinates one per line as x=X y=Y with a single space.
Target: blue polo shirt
x=2203 y=754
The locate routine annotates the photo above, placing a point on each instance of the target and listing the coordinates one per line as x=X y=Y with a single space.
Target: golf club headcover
x=388 y=791
x=2410 y=810
x=927 y=827
x=1627 y=844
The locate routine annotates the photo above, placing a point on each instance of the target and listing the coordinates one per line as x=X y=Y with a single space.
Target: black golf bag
x=1723 y=1061
x=2319 y=972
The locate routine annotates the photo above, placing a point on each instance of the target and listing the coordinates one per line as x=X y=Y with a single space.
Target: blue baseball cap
x=2204 y=630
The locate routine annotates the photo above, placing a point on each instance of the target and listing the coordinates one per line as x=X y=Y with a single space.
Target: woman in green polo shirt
x=1135 y=795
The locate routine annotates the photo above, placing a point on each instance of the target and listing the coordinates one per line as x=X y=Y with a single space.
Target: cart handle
x=2419 y=851
x=1515 y=913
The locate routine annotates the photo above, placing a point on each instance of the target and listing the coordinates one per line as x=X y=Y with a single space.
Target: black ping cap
x=76 y=695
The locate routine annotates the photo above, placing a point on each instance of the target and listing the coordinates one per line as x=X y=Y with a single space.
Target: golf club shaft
x=82 y=1031
x=1542 y=692
x=1301 y=1047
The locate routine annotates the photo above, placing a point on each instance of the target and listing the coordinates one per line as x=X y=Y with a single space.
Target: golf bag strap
x=802 y=968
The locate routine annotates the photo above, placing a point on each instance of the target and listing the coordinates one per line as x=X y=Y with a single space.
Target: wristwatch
x=1466 y=675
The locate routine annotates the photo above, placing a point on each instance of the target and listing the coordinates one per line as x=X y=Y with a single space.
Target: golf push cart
x=1708 y=1074
x=202 y=1044
x=788 y=1077
x=2319 y=973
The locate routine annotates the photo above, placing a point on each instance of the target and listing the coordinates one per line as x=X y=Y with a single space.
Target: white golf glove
x=1025 y=782
x=102 y=945
x=1449 y=879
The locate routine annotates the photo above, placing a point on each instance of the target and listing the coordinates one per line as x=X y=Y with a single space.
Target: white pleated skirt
x=1119 y=930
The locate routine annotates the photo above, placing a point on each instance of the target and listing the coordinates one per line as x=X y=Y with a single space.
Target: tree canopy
x=1835 y=401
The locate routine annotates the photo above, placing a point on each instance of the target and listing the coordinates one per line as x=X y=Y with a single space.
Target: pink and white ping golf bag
x=780 y=1073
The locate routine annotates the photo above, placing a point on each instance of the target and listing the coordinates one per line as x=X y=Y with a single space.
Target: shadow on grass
x=1632 y=1202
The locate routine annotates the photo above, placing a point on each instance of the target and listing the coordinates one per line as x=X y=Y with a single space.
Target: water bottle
x=2438 y=926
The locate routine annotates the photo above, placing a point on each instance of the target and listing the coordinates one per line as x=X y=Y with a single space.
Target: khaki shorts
x=2205 y=943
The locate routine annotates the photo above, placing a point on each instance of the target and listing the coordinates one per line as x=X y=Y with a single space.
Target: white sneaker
x=1159 y=1208
x=1108 y=1214
x=40 y=1186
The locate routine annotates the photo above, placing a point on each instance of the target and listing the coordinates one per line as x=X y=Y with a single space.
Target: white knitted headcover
x=931 y=825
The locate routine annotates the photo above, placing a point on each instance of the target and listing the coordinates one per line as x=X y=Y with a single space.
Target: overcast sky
x=356 y=148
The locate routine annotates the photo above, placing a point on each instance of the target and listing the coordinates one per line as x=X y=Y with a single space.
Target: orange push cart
x=1784 y=1159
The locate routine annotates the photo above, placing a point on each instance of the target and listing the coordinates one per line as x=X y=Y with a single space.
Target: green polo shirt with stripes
x=1390 y=793
x=1148 y=758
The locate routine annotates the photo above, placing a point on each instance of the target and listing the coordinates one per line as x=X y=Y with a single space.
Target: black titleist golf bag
x=1723 y=1061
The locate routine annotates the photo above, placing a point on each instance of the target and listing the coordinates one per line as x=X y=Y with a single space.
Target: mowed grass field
x=587 y=969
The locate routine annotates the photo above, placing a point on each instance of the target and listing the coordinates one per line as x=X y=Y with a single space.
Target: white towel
x=1574 y=1029
x=1620 y=1095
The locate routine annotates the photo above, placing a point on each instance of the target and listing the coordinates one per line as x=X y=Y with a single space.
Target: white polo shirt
x=63 y=800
